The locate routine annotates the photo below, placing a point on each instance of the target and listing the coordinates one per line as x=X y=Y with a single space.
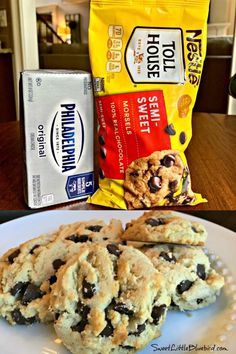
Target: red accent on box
x=132 y=126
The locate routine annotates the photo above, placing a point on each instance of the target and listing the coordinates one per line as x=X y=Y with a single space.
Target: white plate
x=214 y=325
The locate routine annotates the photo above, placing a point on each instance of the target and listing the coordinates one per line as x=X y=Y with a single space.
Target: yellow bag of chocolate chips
x=147 y=58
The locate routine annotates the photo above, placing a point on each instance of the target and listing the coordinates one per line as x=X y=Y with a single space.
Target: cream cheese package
x=57 y=117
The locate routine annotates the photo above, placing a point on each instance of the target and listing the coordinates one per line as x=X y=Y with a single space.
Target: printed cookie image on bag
x=159 y=179
x=147 y=71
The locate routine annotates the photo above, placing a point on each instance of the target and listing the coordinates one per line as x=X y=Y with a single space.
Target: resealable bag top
x=147 y=60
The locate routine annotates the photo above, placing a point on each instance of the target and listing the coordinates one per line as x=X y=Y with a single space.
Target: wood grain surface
x=211 y=157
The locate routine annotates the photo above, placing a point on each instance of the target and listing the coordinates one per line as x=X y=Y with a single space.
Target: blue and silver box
x=57 y=115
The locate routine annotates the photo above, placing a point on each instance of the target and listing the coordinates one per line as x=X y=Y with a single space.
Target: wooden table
x=211 y=156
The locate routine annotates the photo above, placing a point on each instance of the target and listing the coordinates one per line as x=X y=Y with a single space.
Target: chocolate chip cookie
x=15 y=265
x=28 y=271
x=166 y=227
x=190 y=279
x=158 y=179
x=108 y=299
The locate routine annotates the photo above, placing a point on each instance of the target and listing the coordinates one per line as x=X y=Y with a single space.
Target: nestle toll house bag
x=147 y=59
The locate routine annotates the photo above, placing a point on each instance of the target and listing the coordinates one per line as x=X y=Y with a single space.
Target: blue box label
x=80 y=185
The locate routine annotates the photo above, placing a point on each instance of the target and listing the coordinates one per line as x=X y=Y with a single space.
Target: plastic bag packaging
x=147 y=60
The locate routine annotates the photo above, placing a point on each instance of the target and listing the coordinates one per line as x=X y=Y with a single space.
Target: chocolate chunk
x=20 y=319
x=115 y=269
x=154 y=184
x=124 y=243
x=113 y=301
x=94 y=228
x=169 y=257
x=170 y=129
x=79 y=327
x=103 y=153
x=31 y=293
x=34 y=248
x=199 y=301
x=83 y=310
x=113 y=249
x=101 y=173
x=108 y=330
x=173 y=185
x=80 y=307
x=78 y=238
x=19 y=289
x=13 y=255
x=128 y=347
x=140 y=329
x=88 y=289
x=119 y=295
x=182 y=137
x=134 y=174
x=157 y=312
x=57 y=264
x=52 y=279
x=56 y=315
x=201 y=272
x=155 y=222
x=123 y=309
x=194 y=229
x=184 y=286
x=101 y=140
x=168 y=160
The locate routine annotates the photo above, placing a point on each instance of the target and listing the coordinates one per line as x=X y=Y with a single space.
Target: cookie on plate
x=28 y=272
x=165 y=227
x=108 y=299
x=154 y=180
x=190 y=279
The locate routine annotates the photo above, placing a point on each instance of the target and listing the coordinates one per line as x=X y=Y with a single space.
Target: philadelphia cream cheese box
x=57 y=116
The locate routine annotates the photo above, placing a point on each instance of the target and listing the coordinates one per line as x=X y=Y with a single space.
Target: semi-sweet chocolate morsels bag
x=147 y=58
